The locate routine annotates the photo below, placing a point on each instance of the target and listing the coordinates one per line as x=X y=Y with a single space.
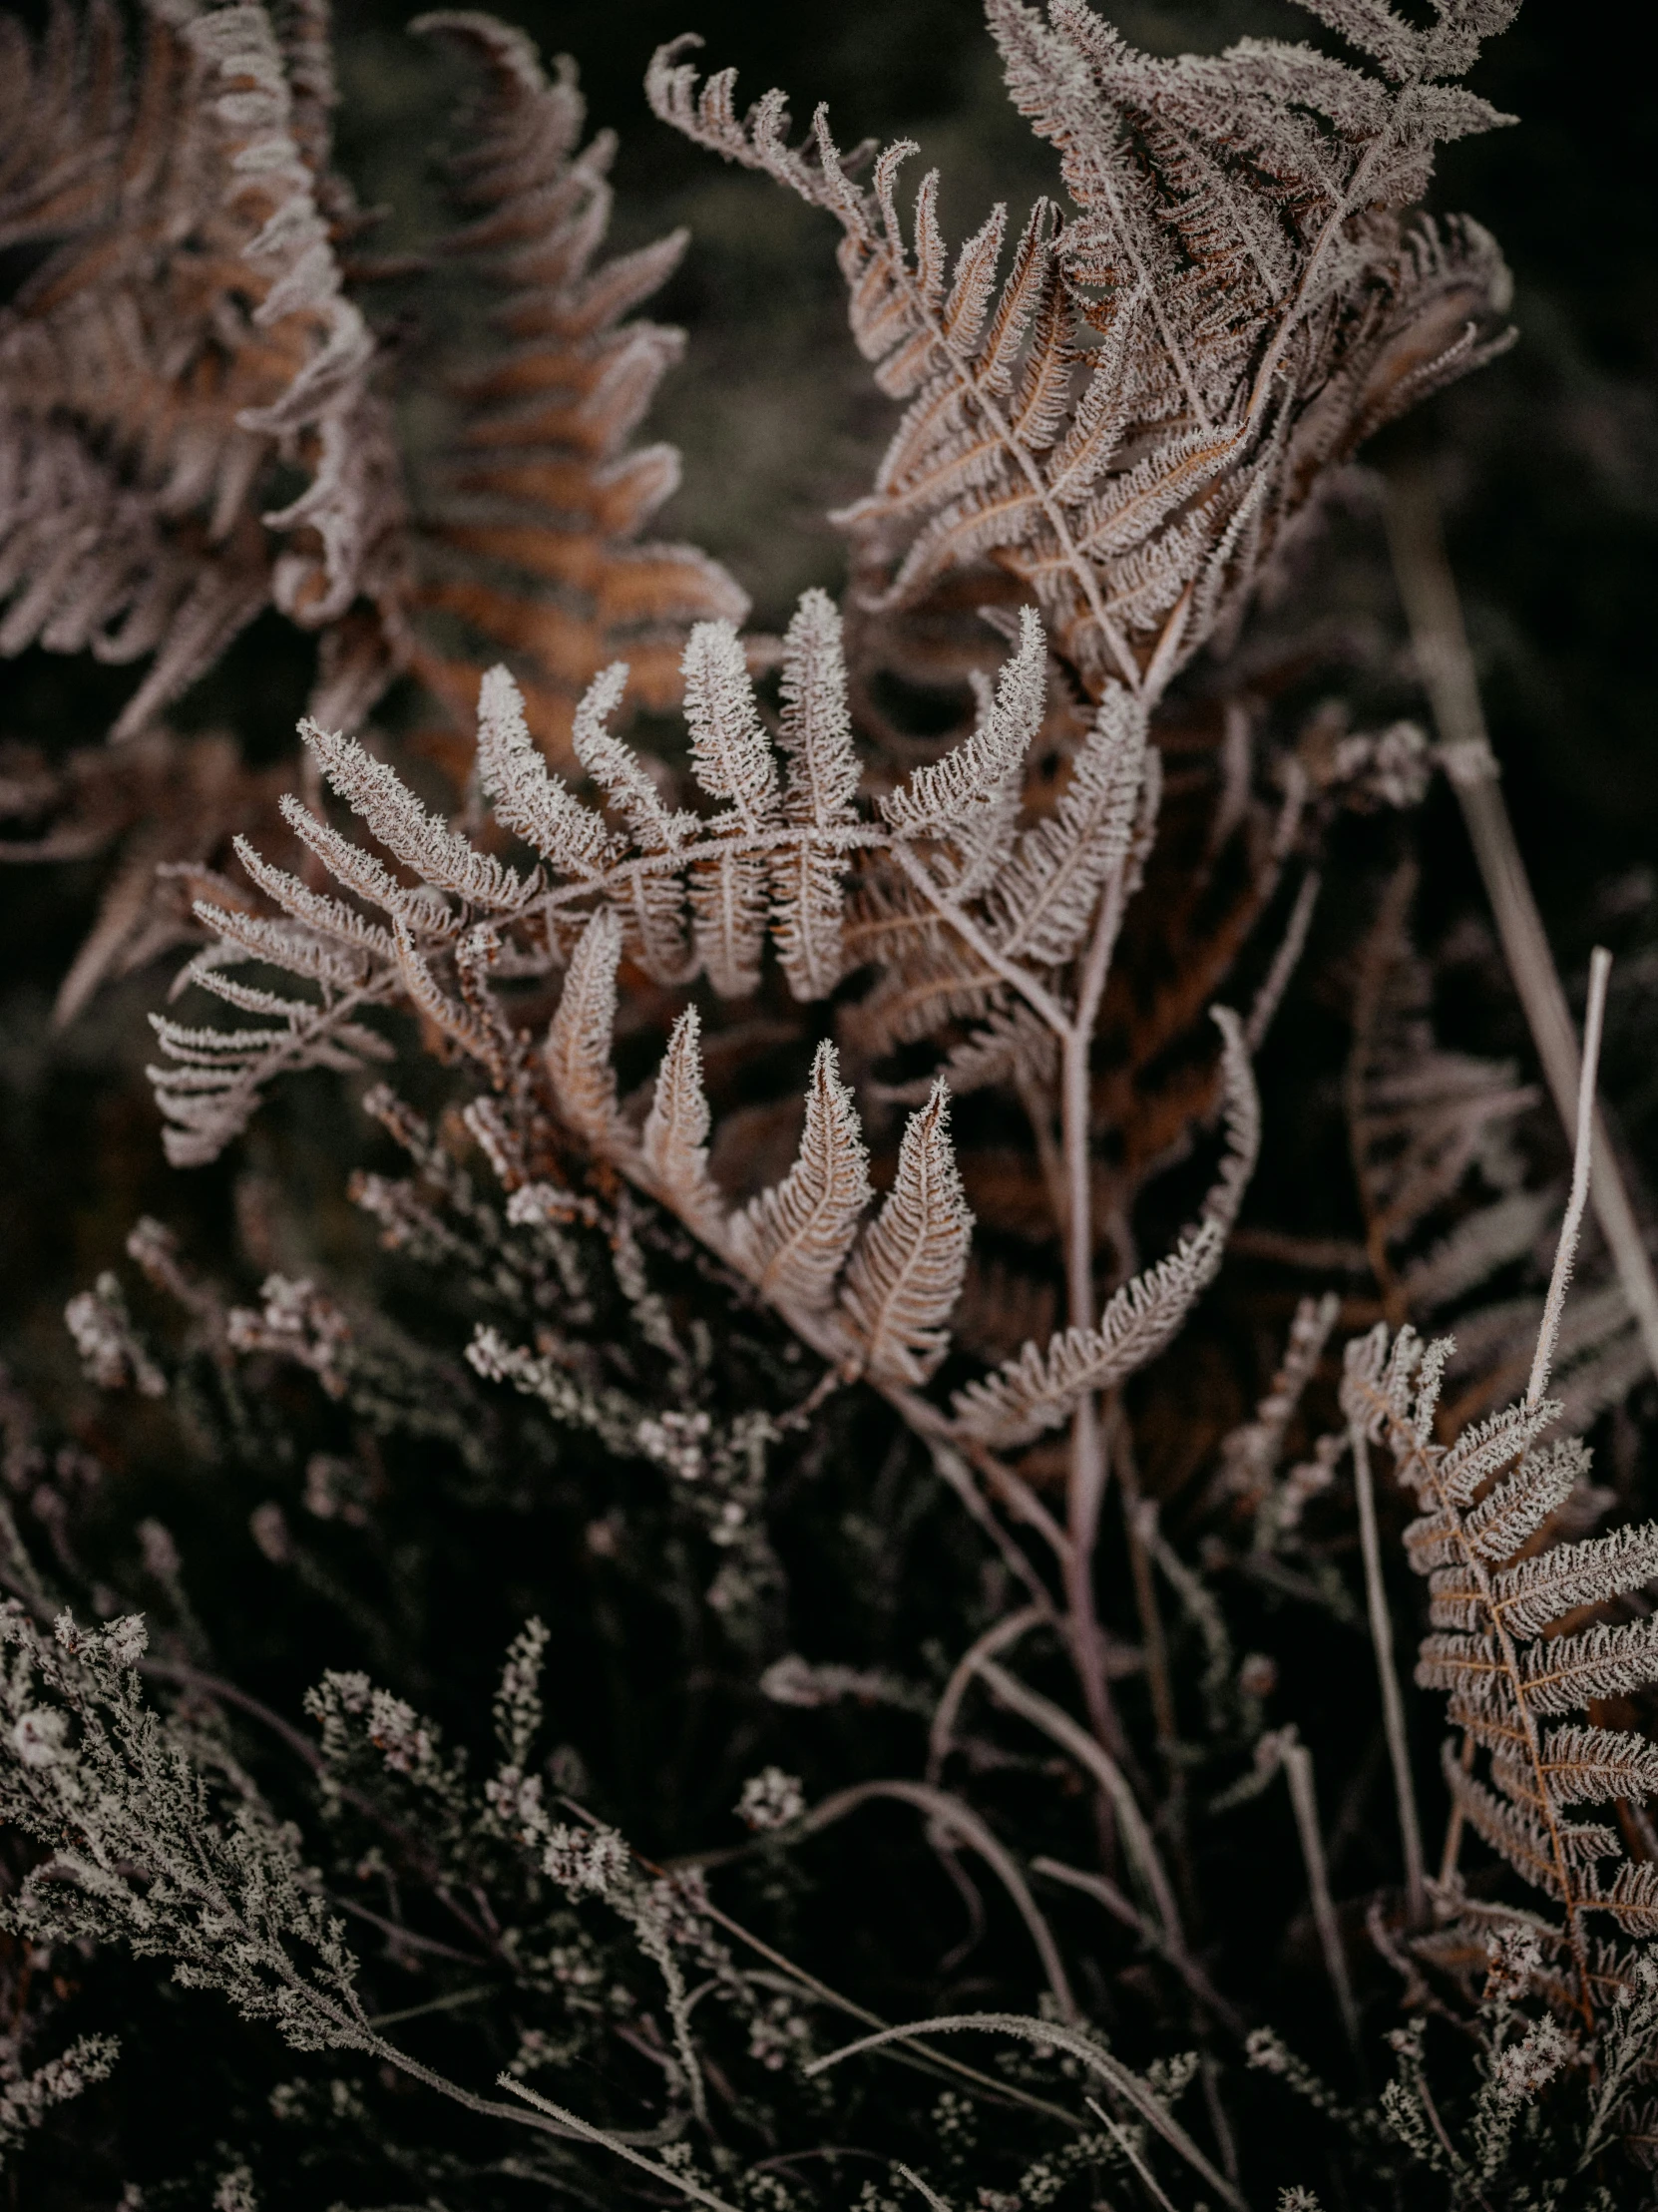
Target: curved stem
x=1393 y=1702
x=950 y=1812
x=997 y=1638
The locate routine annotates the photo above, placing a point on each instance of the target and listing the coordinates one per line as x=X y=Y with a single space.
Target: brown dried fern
x=1134 y=416
x=1504 y=1595
x=529 y=520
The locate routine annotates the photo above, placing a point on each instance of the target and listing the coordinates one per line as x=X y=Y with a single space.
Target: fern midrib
x=977 y=388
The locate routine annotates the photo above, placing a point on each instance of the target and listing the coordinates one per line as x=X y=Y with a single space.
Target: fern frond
x=815 y=739
x=1043 y=900
x=674 y=1143
x=793 y=1241
x=969 y=799
x=578 y=1048
x=526 y=795
x=1237 y=247
x=1038 y=1389
x=391 y=812
x=1592 y=1765
x=185 y=339
x=1489 y=1646
x=1562 y=1675
x=906 y=1271
x=1544 y=1588
x=1516 y=1835
x=530 y=524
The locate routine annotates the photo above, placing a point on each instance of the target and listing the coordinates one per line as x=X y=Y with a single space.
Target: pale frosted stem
x=1106 y=1893
x=1393 y=1702
x=997 y=1638
x=1297 y=1772
x=1087 y=1440
x=1453 y=1851
x=1158 y=1681
x=1446 y=667
x=1601 y=968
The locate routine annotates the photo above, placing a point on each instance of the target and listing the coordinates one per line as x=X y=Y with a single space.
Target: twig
x=1086 y=1483
x=1053 y=2034
x=1428 y=591
x=1393 y=1702
x=997 y=1638
x=1125 y=2143
x=949 y=1812
x=920 y=2055
x=1298 y=1773
x=1283 y=962
x=1145 y=1595
x=1105 y=1892
x=1600 y=970
x=585 y=2132
x=1054 y=1722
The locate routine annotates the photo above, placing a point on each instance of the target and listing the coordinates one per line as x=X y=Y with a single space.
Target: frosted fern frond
x=792 y=1240
x=816 y=736
x=577 y=1049
x=906 y=1272
x=1038 y=1387
x=986 y=925
x=732 y=759
x=676 y=1138
x=815 y=732
x=1043 y=899
x=1131 y=418
x=391 y=812
x=1502 y=1590
x=969 y=799
x=1250 y=1453
x=774 y=857
x=526 y=794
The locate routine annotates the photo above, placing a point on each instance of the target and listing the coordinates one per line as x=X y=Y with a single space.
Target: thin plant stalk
x=1393 y=1702
x=1582 y=1178
x=1446 y=664
x=1298 y=1773
x=1158 y=1681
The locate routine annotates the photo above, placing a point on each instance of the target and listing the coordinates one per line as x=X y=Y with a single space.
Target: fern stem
x=1393 y=1702
x=1601 y=968
x=1124 y=1909
x=1013 y=1694
x=1086 y=1486
x=997 y=1638
x=1080 y=567
x=944 y=1810
x=1446 y=665
x=1298 y=1773
x=1455 y=1825
x=1146 y=1594
x=1020 y=979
